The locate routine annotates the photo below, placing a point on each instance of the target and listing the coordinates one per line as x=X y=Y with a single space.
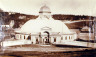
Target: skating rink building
x=45 y=30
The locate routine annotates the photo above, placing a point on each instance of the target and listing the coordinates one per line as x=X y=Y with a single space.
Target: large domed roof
x=36 y=26
x=43 y=23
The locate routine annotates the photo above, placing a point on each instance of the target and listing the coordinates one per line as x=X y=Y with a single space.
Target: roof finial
x=45 y=3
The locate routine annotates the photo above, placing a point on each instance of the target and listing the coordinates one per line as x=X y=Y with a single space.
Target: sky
x=73 y=7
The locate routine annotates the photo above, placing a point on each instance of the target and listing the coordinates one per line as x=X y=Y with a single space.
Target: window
x=61 y=38
x=54 y=39
x=66 y=38
x=29 y=37
x=24 y=36
x=69 y=38
x=37 y=42
x=20 y=36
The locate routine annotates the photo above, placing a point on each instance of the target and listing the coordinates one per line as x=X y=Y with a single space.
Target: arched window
x=69 y=37
x=61 y=38
x=37 y=41
x=66 y=38
x=54 y=39
x=20 y=36
x=24 y=36
x=29 y=37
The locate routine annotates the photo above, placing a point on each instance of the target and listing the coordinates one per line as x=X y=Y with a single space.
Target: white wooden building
x=45 y=30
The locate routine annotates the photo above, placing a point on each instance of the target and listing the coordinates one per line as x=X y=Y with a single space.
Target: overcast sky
x=75 y=7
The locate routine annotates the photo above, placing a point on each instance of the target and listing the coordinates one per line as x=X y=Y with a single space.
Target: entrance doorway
x=47 y=37
x=46 y=40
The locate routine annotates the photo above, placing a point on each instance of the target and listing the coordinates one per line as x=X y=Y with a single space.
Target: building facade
x=45 y=30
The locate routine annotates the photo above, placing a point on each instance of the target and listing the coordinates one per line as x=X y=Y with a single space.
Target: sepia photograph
x=47 y=28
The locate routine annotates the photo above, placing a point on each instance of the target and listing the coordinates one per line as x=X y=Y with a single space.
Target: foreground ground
x=47 y=51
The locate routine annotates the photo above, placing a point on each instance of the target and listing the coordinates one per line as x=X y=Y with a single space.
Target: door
x=46 y=40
